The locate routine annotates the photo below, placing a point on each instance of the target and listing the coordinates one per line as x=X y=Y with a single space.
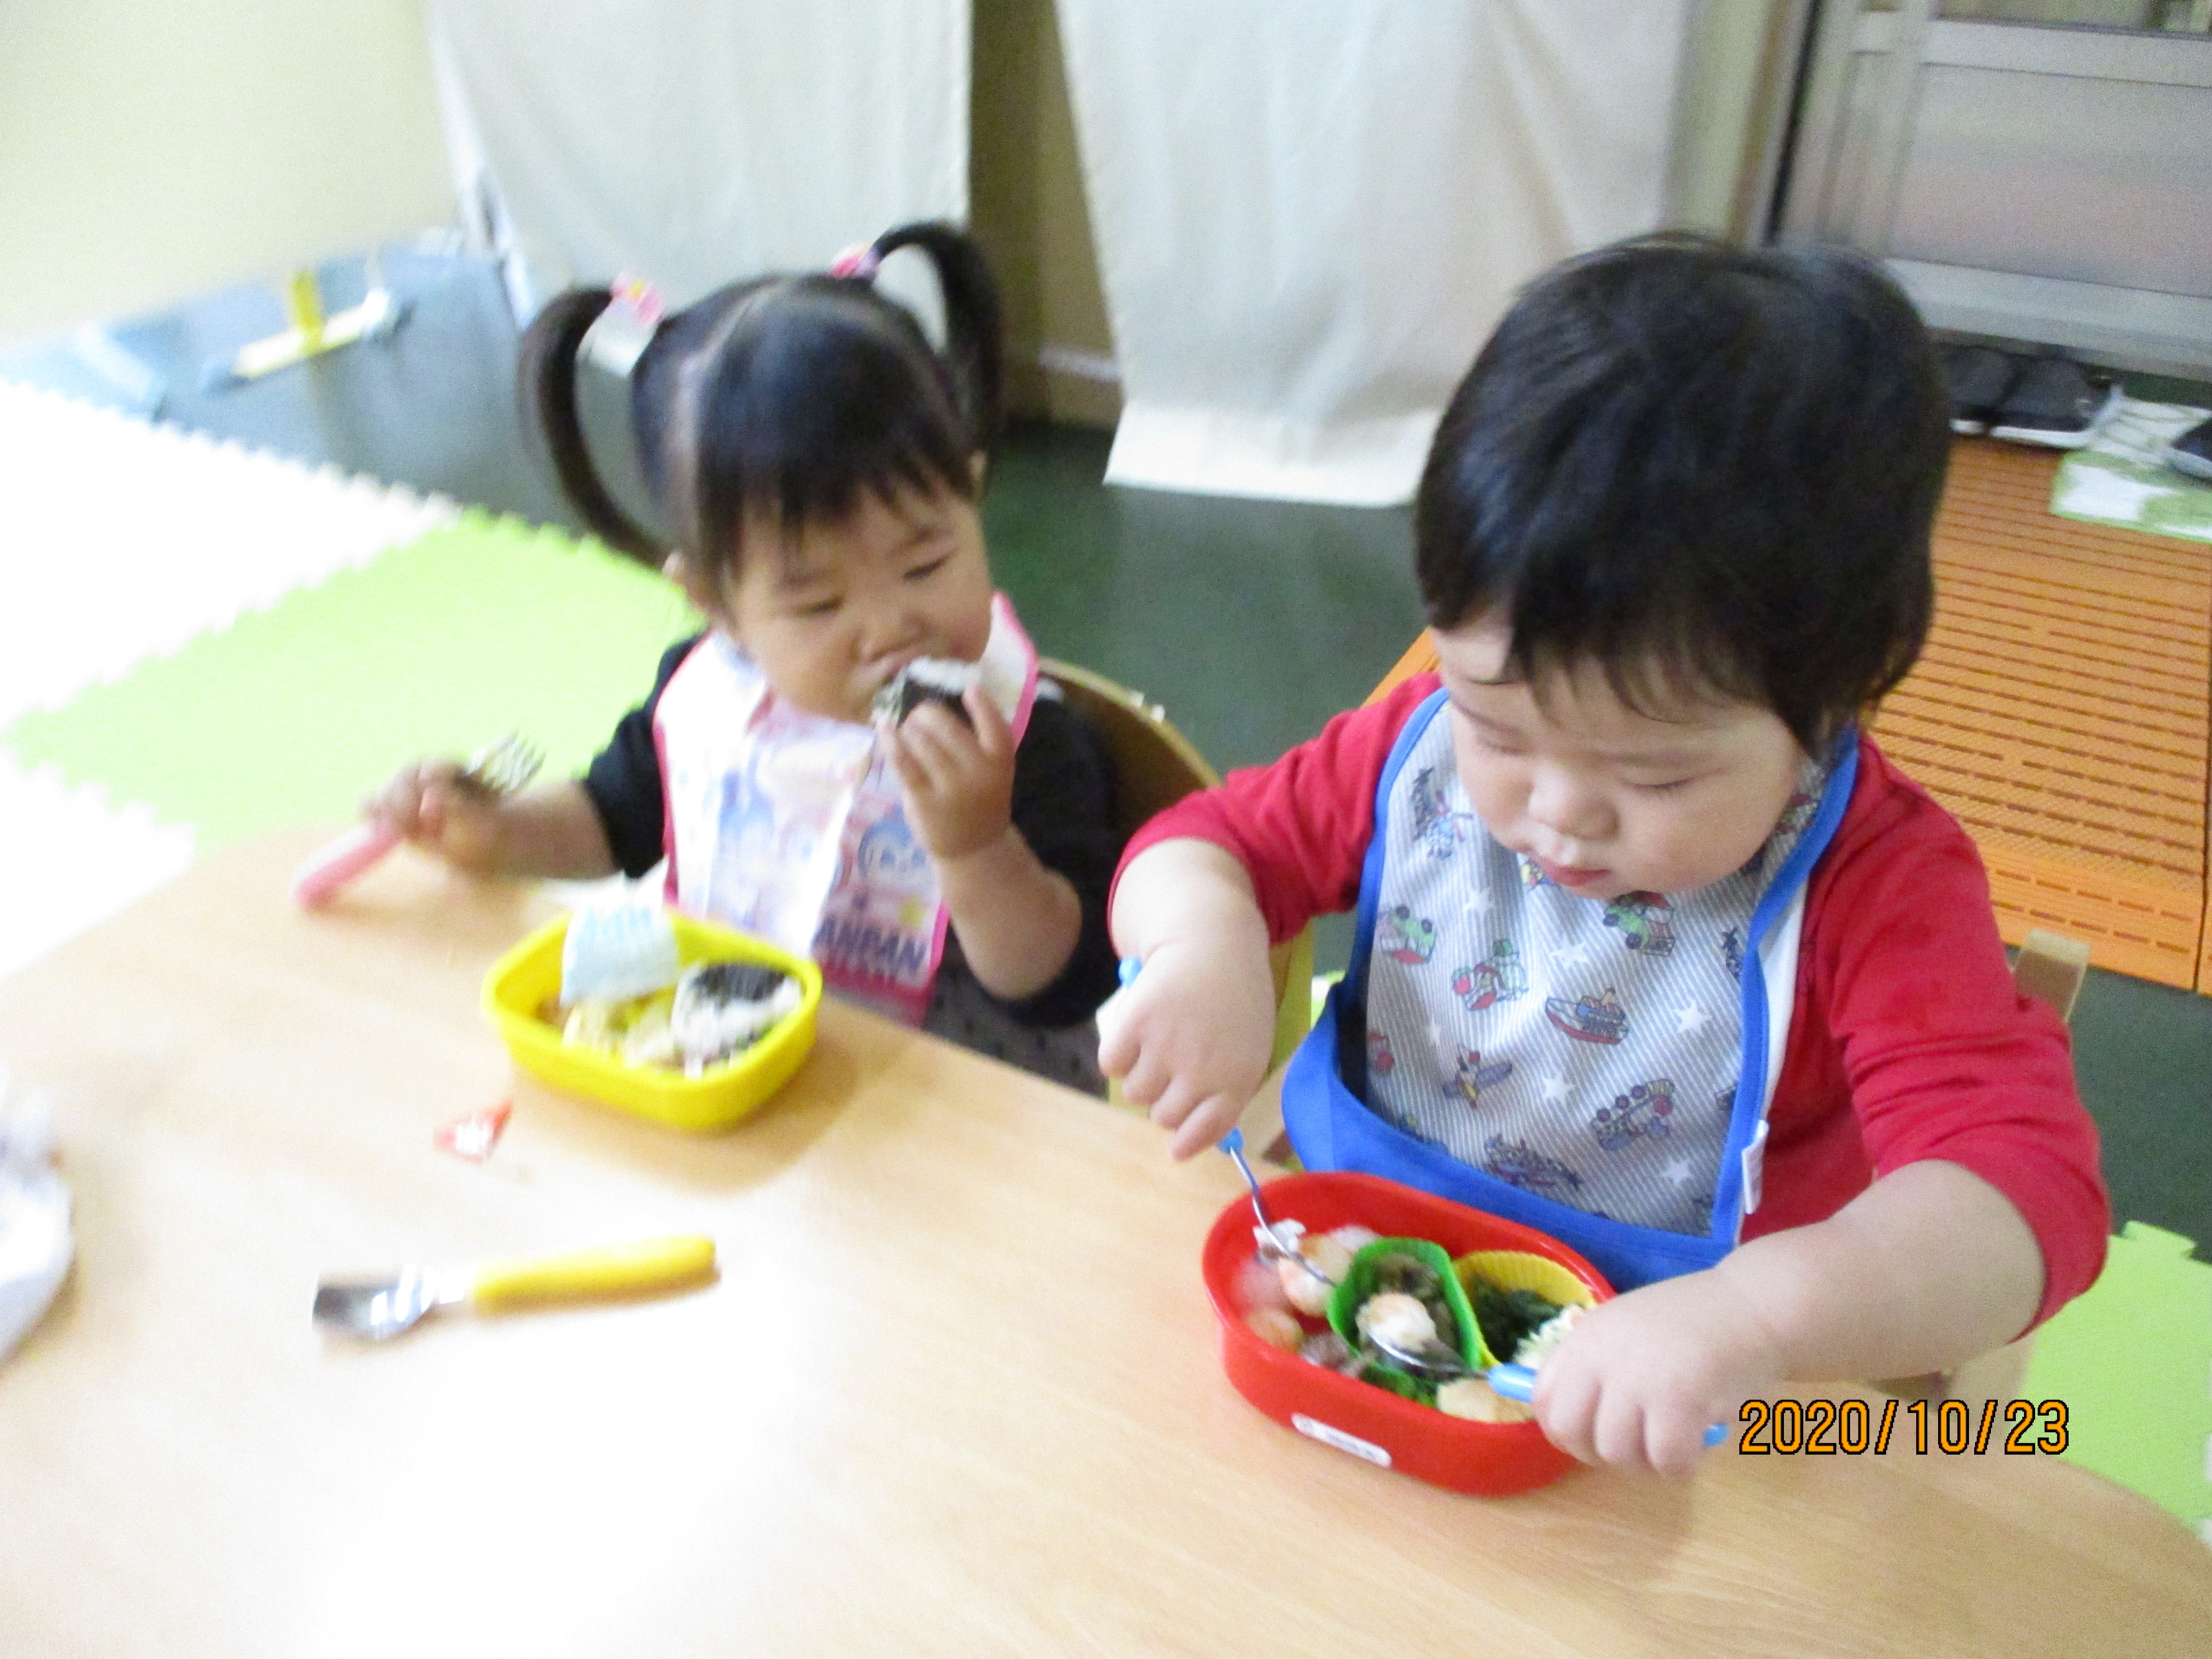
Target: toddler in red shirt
x=1656 y=951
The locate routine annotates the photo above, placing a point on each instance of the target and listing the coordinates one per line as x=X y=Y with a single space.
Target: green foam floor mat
x=291 y=714
x=2132 y=1359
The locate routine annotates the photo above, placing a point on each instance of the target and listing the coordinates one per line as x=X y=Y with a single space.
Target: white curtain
x=692 y=144
x=1309 y=213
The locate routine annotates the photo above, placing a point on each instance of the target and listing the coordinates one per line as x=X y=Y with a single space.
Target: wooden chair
x=1156 y=766
x=2051 y=968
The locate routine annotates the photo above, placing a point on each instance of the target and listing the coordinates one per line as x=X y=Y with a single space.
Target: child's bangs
x=788 y=493
x=1624 y=553
x=1666 y=668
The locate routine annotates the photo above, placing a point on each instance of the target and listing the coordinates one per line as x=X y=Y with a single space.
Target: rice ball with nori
x=925 y=679
x=723 y=1008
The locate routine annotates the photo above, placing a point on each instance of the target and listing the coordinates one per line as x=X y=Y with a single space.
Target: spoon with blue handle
x=1514 y=1382
x=1233 y=1143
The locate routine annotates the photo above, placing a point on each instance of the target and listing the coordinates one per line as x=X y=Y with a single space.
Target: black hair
x=1711 y=469
x=784 y=398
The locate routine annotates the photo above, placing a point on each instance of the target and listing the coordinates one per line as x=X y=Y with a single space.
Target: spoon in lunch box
x=375 y=1308
x=1435 y=1359
x=501 y=769
x=1233 y=1143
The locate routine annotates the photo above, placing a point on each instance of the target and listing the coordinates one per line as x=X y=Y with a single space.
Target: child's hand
x=428 y=804
x=1639 y=1378
x=959 y=782
x=1190 y=1038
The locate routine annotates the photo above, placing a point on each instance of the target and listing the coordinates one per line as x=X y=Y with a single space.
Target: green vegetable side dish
x=1481 y=1320
x=1507 y=1318
x=1422 y=1270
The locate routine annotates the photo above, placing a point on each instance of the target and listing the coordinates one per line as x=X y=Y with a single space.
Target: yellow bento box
x=528 y=977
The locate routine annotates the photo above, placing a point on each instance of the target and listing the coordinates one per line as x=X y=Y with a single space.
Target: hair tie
x=619 y=336
x=858 y=263
x=639 y=298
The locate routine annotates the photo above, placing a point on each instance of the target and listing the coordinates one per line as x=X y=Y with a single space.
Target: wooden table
x=955 y=1393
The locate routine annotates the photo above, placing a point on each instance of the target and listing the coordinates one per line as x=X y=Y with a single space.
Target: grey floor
x=1251 y=621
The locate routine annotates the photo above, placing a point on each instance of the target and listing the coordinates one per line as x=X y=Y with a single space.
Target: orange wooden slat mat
x=2062 y=710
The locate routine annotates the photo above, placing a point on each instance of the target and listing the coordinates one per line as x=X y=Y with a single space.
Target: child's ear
x=979 y=463
x=687 y=576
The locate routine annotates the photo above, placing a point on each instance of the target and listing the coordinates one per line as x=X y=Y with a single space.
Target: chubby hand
x=959 y=779
x=1190 y=1038
x=432 y=806
x=1639 y=1378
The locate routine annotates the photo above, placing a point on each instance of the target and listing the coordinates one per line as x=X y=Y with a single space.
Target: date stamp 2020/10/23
x=1850 y=1428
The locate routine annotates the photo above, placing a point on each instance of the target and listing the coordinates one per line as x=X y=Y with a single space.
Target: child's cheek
x=975 y=630
x=1497 y=795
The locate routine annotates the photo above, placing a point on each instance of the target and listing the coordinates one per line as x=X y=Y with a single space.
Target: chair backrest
x=2051 y=967
x=1155 y=766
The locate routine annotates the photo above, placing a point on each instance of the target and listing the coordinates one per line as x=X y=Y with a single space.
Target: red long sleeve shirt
x=1908 y=1040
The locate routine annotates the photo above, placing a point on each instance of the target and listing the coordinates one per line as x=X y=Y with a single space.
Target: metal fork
x=1233 y=1143
x=500 y=768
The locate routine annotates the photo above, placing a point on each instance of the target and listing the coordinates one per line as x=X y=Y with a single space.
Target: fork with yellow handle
x=378 y=1308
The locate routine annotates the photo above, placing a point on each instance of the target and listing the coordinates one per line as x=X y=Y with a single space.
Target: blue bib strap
x=1749 y=1109
x=1370 y=883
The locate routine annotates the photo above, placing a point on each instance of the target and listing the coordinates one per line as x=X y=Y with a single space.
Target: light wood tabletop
x=955 y=1392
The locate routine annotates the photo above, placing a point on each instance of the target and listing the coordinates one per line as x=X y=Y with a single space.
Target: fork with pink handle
x=501 y=769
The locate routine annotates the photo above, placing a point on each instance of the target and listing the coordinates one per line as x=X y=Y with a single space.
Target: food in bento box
x=1394 y=1273
x=1278 y=1327
x=1396 y=1320
x=1331 y=1352
x=715 y=1012
x=1536 y=1347
x=1404 y=1305
x=1258 y=1286
x=1509 y=1318
x=723 y=1008
x=1472 y=1398
x=1321 y=1264
x=634 y=1029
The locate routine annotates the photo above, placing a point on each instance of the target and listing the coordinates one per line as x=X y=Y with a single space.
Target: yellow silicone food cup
x=1517 y=1270
x=528 y=977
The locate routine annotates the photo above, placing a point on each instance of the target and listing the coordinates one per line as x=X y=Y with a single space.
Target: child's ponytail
x=546 y=375
x=783 y=400
x=973 y=350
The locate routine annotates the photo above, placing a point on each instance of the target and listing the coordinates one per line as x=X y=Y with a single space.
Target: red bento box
x=1489 y=1459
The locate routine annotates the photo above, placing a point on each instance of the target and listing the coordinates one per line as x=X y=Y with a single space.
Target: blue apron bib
x=1332 y=1128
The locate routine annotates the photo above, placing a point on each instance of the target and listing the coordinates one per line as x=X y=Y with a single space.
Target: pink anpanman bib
x=792 y=826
